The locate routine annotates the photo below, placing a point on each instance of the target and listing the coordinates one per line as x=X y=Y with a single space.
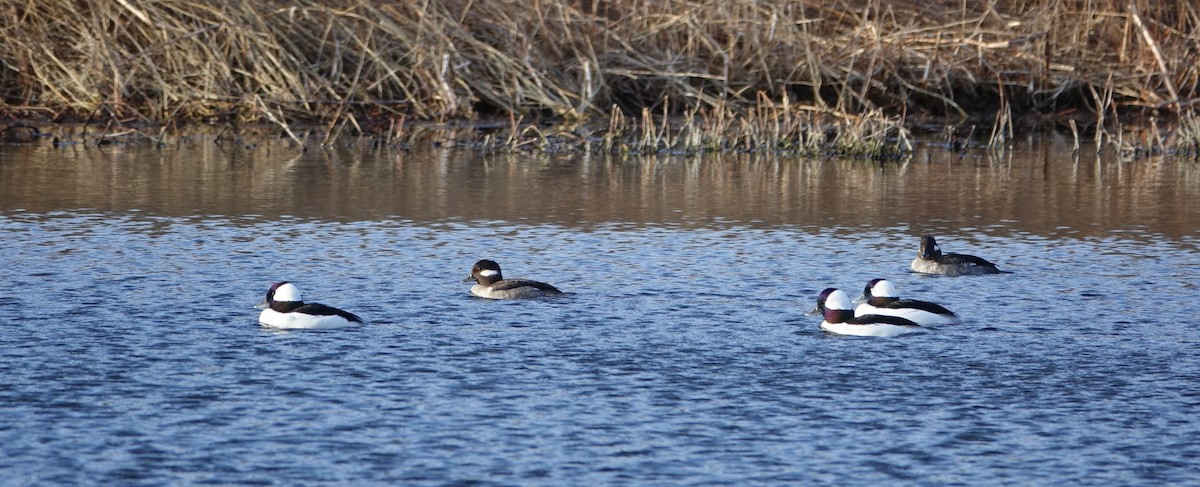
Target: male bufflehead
x=285 y=309
x=835 y=306
x=492 y=285
x=931 y=260
x=880 y=298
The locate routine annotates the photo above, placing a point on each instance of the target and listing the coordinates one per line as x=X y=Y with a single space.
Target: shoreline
x=840 y=138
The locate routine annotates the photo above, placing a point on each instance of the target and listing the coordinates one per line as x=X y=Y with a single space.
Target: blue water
x=130 y=354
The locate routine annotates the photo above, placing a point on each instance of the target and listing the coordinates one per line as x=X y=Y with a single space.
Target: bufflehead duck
x=492 y=285
x=880 y=298
x=931 y=260
x=835 y=306
x=285 y=309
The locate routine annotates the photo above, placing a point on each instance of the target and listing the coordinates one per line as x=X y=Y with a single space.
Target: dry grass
x=771 y=127
x=726 y=74
x=1187 y=138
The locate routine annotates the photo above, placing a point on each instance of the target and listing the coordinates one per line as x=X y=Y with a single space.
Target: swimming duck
x=492 y=285
x=931 y=260
x=879 y=297
x=835 y=306
x=285 y=309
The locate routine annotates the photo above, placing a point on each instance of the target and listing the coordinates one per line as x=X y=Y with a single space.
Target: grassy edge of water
x=771 y=129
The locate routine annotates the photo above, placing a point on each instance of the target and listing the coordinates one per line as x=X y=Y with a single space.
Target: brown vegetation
x=767 y=69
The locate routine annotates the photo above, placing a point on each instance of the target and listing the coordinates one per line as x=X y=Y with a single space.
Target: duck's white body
x=879 y=297
x=918 y=316
x=835 y=306
x=286 y=310
x=296 y=320
x=867 y=329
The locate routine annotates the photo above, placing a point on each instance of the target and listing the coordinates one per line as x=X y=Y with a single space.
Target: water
x=131 y=353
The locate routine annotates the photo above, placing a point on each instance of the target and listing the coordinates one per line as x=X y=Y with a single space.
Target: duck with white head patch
x=931 y=260
x=835 y=306
x=880 y=298
x=286 y=309
x=491 y=284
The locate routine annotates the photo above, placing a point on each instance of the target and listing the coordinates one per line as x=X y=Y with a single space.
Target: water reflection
x=131 y=337
x=1043 y=190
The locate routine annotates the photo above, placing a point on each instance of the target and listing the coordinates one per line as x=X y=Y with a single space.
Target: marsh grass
x=660 y=75
x=770 y=127
x=1187 y=138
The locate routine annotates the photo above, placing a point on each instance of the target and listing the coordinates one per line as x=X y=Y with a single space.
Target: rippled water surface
x=130 y=352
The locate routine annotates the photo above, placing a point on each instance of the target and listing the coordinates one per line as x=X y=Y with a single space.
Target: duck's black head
x=485 y=272
x=929 y=248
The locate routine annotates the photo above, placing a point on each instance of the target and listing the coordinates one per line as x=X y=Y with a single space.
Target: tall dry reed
x=351 y=62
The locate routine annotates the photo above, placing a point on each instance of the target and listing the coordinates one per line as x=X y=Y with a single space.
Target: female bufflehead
x=835 y=306
x=880 y=298
x=285 y=309
x=931 y=260
x=492 y=285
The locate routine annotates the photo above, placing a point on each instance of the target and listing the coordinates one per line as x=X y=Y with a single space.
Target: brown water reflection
x=1042 y=190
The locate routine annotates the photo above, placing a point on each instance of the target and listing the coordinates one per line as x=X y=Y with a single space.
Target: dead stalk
x=738 y=66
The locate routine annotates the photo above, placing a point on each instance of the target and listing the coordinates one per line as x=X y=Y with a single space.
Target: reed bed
x=652 y=75
x=1187 y=137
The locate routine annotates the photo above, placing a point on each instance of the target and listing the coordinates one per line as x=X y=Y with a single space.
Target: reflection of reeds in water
x=1040 y=190
x=781 y=127
x=359 y=65
x=1188 y=136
